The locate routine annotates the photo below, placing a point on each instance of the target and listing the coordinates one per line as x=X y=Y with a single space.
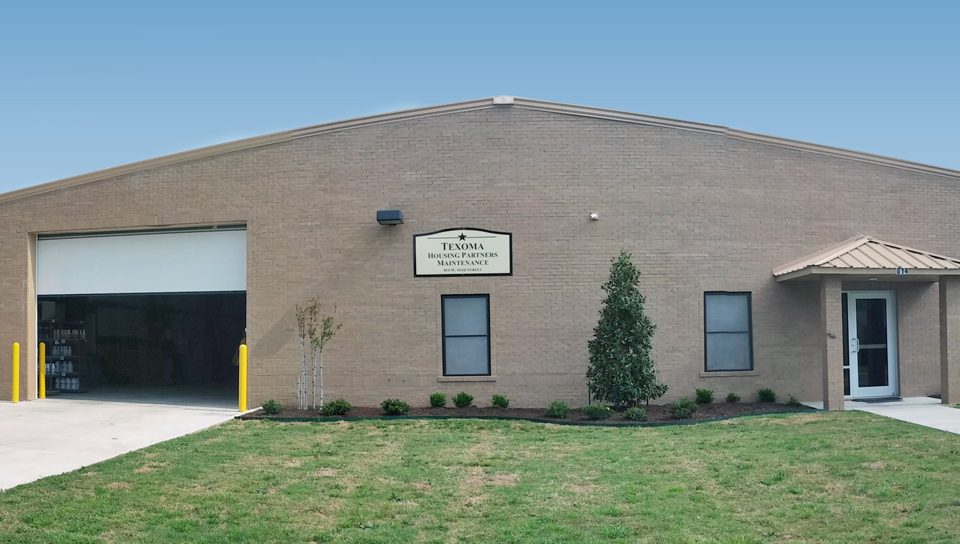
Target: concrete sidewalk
x=919 y=410
x=925 y=411
x=56 y=435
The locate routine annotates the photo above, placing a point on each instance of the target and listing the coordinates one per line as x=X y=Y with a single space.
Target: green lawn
x=837 y=477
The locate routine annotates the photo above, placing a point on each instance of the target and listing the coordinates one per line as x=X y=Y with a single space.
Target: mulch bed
x=655 y=413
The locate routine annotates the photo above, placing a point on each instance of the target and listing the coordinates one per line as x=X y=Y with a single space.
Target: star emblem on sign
x=463 y=236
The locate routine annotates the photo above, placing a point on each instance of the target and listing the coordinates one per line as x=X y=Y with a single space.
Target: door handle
x=855 y=345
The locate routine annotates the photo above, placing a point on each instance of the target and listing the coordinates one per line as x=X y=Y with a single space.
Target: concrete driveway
x=45 y=437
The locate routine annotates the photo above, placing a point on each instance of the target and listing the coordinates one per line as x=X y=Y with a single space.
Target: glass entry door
x=871 y=331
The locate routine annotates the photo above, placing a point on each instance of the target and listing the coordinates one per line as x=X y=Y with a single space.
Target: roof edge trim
x=618 y=115
x=241 y=145
x=459 y=107
x=860 y=273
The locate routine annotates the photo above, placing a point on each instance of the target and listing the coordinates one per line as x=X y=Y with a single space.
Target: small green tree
x=327 y=329
x=314 y=332
x=620 y=370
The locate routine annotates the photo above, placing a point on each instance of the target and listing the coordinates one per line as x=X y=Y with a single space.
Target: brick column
x=950 y=339
x=831 y=322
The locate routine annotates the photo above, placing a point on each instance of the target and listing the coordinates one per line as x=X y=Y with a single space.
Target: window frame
x=749 y=331
x=443 y=334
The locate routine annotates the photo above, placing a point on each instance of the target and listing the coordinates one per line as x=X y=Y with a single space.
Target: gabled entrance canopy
x=862 y=258
x=865 y=256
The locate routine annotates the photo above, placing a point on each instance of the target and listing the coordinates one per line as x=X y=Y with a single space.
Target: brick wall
x=699 y=212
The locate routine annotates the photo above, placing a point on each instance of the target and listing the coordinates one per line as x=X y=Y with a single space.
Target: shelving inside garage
x=66 y=365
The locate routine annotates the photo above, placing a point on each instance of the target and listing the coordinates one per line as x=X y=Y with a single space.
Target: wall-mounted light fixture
x=594 y=216
x=390 y=217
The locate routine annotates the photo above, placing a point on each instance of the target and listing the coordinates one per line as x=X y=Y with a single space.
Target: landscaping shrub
x=395 y=407
x=621 y=370
x=792 y=401
x=271 y=407
x=438 y=400
x=500 y=401
x=597 y=411
x=462 y=399
x=339 y=407
x=635 y=413
x=733 y=397
x=558 y=409
x=766 y=395
x=683 y=408
x=704 y=396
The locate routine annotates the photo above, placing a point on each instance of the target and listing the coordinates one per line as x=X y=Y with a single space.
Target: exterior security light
x=594 y=216
x=390 y=217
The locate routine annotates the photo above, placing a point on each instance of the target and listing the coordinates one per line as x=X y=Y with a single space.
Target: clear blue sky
x=89 y=85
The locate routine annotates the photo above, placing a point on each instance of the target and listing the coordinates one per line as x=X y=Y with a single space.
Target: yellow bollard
x=16 y=372
x=243 y=378
x=42 y=371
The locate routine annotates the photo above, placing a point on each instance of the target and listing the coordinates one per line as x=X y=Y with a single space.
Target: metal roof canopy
x=868 y=257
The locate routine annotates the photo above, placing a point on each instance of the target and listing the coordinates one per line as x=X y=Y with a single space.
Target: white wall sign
x=463 y=252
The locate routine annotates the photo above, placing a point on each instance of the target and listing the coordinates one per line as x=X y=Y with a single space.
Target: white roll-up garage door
x=153 y=262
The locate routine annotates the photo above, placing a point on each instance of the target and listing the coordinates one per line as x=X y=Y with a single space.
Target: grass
x=801 y=478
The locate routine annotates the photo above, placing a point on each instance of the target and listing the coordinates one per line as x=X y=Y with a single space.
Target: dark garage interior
x=150 y=347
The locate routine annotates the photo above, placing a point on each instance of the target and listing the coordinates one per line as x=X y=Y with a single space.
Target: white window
x=466 y=335
x=728 y=331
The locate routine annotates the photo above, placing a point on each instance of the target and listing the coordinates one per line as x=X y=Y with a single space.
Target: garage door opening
x=143 y=316
x=170 y=348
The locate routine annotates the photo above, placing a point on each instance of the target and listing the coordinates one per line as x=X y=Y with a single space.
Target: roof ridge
x=459 y=107
x=844 y=247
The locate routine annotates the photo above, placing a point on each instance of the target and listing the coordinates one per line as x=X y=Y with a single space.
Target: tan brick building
x=709 y=214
